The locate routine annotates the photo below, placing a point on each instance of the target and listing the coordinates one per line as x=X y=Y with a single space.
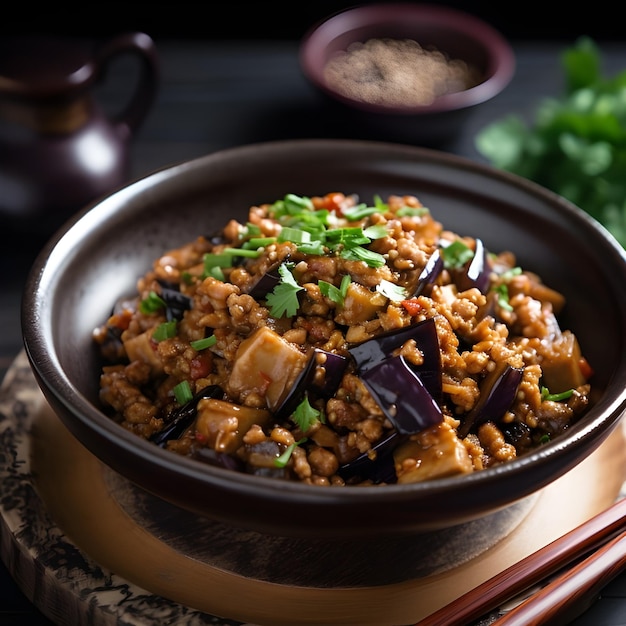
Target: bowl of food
x=406 y=72
x=327 y=338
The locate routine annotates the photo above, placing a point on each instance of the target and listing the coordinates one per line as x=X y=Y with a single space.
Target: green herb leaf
x=576 y=143
x=283 y=299
x=456 y=255
x=390 y=290
x=336 y=294
x=305 y=416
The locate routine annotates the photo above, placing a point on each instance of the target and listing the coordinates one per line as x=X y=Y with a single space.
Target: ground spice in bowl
x=397 y=72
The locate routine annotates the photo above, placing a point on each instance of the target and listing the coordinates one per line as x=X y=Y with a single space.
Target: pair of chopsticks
x=578 y=565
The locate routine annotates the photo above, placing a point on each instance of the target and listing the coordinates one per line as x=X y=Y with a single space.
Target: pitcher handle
x=144 y=95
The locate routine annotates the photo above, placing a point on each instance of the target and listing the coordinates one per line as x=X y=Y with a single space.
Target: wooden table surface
x=215 y=95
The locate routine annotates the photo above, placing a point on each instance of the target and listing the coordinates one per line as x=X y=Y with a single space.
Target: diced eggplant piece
x=261 y=460
x=437 y=452
x=371 y=352
x=266 y=283
x=497 y=392
x=477 y=271
x=321 y=375
x=268 y=365
x=377 y=464
x=183 y=418
x=429 y=274
x=176 y=303
x=401 y=395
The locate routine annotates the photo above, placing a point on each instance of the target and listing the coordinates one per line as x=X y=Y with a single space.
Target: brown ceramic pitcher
x=59 y=150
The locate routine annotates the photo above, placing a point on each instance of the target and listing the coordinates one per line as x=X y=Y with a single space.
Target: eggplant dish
x=336 y=342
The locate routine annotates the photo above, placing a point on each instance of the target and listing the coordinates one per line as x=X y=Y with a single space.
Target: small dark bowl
x=456 y=33
x=97 y=259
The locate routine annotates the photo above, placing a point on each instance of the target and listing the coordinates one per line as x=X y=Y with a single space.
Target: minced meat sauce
x=334 y=342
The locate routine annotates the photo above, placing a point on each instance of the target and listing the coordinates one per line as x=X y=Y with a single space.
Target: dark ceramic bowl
x=455 y=33
x=98 y=257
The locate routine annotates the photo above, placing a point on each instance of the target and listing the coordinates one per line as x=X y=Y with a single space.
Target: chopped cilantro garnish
x=358 y=253
x=166 y=330
x=306 y=415
x=283 y=299
x=456 y=255
x=394 y=292
x=182 y=392
x=376 y=231
x=203 y=344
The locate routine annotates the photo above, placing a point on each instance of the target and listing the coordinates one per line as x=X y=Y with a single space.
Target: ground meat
x=274 y=329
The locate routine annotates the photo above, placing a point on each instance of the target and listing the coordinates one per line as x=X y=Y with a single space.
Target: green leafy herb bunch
x=576 y=144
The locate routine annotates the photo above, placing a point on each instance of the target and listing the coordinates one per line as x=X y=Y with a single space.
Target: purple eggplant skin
x=378 y=467
x=429 y=274
x=477 y=271
x=266 y=283
x=182 y=418
x=401 y=395
x=334 y=366
x=371 y=352
x=496 y=396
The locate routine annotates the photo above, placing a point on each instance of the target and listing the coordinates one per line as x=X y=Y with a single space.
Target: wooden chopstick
x=568 y=595
x=476 y=603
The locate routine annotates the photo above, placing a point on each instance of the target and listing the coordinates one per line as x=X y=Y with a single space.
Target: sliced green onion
x=231 y=252
x=354 y=214
x=336 y=294
x=254 y=243
x=556 y=397
x=182 y=392
x=283 y=459
x=203 y=344
x=295 y=235
x=166 y=330
x=412 y=211
x=152 y=303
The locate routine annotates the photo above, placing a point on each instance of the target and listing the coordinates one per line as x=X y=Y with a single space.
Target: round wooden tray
x=87 y=546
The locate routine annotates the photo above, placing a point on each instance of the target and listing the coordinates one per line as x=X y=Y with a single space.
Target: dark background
x=530 y=20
